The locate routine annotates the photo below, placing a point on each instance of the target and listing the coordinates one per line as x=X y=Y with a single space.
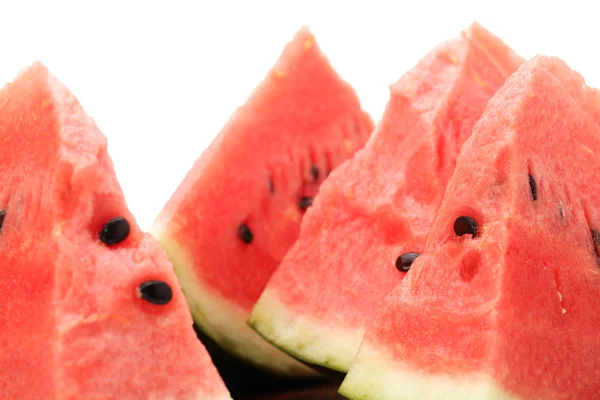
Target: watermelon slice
x=372 y=215
x=503 y=304
x=91 y=307
x=238 y=210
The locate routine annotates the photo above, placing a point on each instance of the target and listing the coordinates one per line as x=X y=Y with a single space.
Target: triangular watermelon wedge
x=503 y=303
x=91 y=308
x=380 y=205
x=238 y=210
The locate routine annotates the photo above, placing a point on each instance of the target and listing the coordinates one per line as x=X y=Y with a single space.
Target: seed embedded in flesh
x=155 y=292
x=533 y=187
x=245 y=233
x=305 y=202
x=404 y=262
x=561 y=211
x=271 y=186
x=465 y=225
x=314 y=171
x=596 y=239
x=2 y=215
x=595 y=236
x=115 y=231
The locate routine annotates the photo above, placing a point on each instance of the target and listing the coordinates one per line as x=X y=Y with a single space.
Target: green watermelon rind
x=374 y=375
x=215 y=317
x=302 y=338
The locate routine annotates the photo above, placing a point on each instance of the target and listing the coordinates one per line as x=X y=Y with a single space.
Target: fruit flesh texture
x=515 y=307
x=380 y=204
x=301 y=118
x=72 y=325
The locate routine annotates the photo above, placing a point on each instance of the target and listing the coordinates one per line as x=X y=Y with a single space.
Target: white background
x=161 y=78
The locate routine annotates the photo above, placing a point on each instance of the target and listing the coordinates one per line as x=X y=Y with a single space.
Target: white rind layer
x=376 y=376
x=313 y=342
x=225 y=322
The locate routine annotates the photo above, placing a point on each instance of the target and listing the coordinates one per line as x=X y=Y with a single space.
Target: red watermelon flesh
x=238 y=210
x=381 y=204
x=508 y=310
x=73 y=322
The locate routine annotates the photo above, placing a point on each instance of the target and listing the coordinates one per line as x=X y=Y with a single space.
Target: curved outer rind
x=375 y=375
x=273 y=321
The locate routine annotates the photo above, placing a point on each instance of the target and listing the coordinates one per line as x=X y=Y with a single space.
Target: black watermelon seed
x=2 y=215
x=115 y=231
x=533 y=187
x=595 y=236
x=305 y=202
x=596 y=239
x=404 y=262
x=464 y=225
x=156 y=292
x=271 y=186
x=314 y=171
x=561 y=211
x=245 y=233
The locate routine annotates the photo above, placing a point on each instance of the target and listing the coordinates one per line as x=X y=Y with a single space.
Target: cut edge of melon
x=302 y=338
x=376 y=375
x=227 y=317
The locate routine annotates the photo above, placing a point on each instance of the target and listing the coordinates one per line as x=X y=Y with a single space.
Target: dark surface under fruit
x=248 y=383
x=318 y=392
